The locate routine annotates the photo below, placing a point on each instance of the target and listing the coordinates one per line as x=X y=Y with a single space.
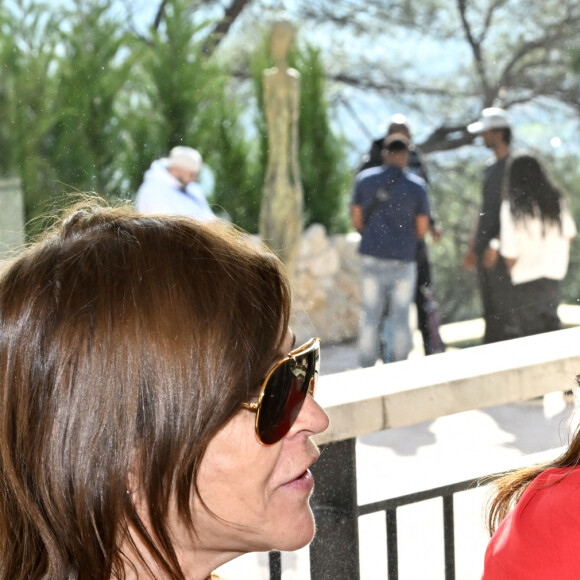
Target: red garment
x=540 y=538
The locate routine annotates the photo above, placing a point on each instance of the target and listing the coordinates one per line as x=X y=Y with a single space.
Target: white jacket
x=539 y=251
x=162 y=193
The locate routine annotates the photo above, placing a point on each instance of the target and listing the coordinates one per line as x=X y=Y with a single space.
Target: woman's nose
x=312 y=418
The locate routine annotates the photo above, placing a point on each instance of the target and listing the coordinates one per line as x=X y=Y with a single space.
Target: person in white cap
x=494 y=280
x=170 y=186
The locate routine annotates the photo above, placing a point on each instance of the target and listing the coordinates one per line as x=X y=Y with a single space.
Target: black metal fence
x=389 y=506
x=334 y=553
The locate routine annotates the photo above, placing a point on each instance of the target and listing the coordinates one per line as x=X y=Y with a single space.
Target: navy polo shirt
x=389 y=231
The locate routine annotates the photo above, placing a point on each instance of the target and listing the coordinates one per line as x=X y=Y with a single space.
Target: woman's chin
x=295 y=537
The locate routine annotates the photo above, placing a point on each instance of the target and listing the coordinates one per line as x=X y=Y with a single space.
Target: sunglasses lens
x=285 y=394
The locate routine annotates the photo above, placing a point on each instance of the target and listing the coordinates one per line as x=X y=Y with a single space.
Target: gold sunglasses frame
x=255 y=407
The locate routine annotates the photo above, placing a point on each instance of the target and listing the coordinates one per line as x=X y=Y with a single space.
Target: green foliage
x=564 y=172
x=238 y=190
x=325 y=174
x=322 y=155
x=91 y=74
x=28 y=44
x=184 y=82
x=455 y=192
x=85 y=105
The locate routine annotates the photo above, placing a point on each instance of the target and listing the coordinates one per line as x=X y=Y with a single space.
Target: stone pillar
x=11 y=216
x=334 y=552
x=282 y=197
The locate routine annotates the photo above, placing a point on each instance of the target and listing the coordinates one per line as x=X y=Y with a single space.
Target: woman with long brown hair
x=155 y=414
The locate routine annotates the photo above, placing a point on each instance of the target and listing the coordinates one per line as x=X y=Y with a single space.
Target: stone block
x=11 y=216
x=417 y=390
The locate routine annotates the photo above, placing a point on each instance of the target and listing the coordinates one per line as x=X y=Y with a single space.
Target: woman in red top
x=535 y=521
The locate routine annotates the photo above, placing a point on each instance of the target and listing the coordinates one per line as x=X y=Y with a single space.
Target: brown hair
x=508 y=488
x=126 y=342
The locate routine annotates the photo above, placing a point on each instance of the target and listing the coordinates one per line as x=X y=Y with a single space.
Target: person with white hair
x=170 y=186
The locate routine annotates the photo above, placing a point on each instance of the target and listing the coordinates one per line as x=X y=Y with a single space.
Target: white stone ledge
x=395 y=395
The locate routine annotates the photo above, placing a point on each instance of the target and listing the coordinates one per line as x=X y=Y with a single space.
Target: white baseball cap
x=184 y=157
x=492 y=118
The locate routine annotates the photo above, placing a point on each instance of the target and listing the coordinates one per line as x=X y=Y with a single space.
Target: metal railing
x=275 y=559
x=389 y=507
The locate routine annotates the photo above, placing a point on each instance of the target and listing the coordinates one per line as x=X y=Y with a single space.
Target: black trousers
x=498 y=297
x=427 y=319
x=536 y=308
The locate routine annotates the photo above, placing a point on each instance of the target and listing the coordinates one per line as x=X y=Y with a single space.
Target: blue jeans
x=387 y=290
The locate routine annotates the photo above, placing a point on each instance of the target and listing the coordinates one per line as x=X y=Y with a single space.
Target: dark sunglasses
x=284 y=391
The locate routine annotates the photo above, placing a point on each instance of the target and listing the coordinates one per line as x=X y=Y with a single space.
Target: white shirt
x=537 y=256
x=162 y=193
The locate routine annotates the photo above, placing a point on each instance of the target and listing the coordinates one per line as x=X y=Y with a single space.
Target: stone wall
x=326 y=286
x=11 y=216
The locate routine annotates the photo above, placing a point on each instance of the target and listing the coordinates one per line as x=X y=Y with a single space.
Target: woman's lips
x=304 y=482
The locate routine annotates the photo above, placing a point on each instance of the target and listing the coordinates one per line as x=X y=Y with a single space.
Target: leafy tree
x=323 y=163
x=28 y=45
x=87 y=101
x=455 y=186
x=91 y=72
x=505 y=52
x=465 y=54
x=238 y=190
x=62 y=76
x=88 y=106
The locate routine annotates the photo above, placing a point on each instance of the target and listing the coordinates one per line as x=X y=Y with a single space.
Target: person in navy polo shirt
x=390 y=210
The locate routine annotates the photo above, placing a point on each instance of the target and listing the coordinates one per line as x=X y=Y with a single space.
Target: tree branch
x=446 y=138
x=392 y=85
x=476 y=48
x=489 y=17
x=544 y=43
x=223 y=26
x=159 y=15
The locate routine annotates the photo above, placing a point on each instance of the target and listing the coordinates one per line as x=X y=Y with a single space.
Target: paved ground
x=449 y=449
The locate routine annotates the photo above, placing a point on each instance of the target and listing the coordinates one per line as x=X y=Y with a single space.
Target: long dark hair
x=126 y=342
x=531 y=193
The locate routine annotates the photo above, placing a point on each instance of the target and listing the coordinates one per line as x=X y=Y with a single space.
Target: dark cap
x=396 y=141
